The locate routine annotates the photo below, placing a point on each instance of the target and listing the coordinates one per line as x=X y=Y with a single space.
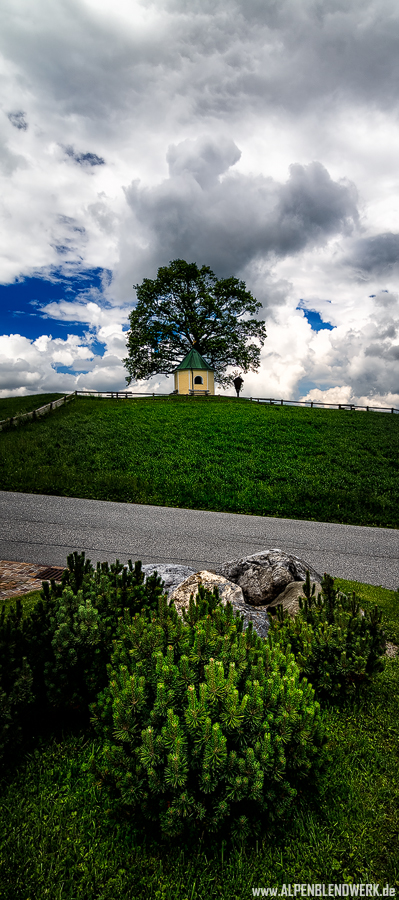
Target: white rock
x=228 y=592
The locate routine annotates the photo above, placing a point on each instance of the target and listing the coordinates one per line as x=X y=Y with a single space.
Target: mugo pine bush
x=337 y=648
x=16 y=680
x=87 y=607
x=203 y=725
x=53 y=662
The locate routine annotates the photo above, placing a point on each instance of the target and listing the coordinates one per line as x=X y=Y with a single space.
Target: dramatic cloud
x=259 y=138
x=228 y=222
x=357 y=365
x=204 y=159
x=378 y=255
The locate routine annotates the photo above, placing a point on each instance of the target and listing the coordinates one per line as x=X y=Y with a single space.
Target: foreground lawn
x=58 y=838
x=227 y=455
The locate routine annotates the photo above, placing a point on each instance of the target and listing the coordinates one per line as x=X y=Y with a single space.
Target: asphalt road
x=42 y=529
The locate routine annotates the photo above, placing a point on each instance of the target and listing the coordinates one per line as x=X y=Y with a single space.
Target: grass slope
x=58 y=839
x=227 y=455
x=11 y=406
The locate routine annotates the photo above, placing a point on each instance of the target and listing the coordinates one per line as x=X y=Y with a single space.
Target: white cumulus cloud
x=260 y=139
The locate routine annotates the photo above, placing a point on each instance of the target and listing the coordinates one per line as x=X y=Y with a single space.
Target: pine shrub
x=85 y=617
x=53 y=662
x=16 y=680
x=203 y=725
x=338 y=648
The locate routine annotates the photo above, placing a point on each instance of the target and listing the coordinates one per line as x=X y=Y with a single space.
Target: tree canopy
x=186 y=306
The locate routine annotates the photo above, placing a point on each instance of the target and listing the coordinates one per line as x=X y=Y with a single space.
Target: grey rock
x=258 y=615
x=172 y=575
x=228 y=592
x=264 y=576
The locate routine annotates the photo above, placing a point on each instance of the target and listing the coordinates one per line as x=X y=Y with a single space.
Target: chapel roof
x=194 y=360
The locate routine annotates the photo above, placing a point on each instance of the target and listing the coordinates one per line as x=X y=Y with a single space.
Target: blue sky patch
x=21 y=303
x=315 y=321
x=88 y=159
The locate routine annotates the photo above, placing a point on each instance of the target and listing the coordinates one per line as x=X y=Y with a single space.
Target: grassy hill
x=13 y=406
x=219 y=454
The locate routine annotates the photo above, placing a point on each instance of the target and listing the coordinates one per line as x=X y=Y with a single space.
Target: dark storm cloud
x=230 y=221
x=212 y=58
x=272 y=52
x=382 y=350
x=18 y=119
x=376 y=255
x=313 y=206
x=84 y=159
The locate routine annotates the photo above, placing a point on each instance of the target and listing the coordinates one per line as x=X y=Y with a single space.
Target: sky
x=257 y=137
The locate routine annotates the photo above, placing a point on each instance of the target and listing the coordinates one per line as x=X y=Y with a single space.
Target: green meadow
x=216 y=454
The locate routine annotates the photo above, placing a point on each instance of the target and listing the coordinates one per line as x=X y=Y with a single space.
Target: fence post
x=367 y=409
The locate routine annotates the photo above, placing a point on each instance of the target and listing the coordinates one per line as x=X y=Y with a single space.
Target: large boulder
x=228 y=592
x=171 y=574
x=262 y=577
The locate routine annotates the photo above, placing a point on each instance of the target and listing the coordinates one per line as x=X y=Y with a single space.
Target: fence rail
x=351 y=407
x=20 y=418
x=312 y=404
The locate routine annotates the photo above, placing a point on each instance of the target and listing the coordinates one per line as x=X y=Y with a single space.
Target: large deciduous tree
x=186 y=306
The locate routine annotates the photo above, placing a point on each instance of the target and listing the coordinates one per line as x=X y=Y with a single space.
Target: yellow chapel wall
x=183 y=383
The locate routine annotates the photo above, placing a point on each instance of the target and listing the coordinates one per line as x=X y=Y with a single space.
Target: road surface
x=42 y=529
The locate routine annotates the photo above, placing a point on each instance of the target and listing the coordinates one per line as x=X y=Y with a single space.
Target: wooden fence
x=20 y=418
x=127 y=395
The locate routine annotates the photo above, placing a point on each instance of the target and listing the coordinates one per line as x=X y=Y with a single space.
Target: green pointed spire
x=193 y=360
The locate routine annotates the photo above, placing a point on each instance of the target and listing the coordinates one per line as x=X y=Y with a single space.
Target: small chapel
x=194 y=376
